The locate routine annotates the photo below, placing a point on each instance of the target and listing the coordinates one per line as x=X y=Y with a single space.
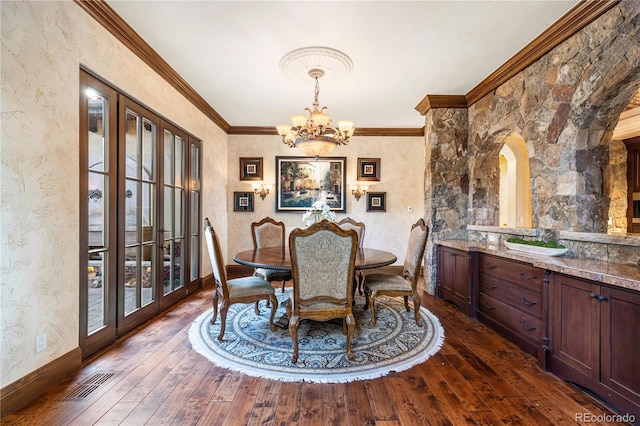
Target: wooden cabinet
x=455 y=278
x=512 y=299
x=595 y=339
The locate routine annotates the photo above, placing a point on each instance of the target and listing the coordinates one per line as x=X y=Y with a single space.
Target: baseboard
x=23 y=391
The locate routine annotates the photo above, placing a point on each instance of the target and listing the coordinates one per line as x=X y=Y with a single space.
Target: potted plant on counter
x=545 y=248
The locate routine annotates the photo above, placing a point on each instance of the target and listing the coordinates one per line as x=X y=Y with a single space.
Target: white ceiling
x=229 y=51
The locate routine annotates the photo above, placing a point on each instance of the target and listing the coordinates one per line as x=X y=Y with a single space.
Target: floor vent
x=86 y=388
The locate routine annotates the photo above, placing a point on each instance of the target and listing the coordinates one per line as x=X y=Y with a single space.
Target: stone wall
x=616 y=186
x=446 y=180
x=565 y=107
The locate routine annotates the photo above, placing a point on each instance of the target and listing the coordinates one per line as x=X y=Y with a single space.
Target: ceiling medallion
x=297 y=64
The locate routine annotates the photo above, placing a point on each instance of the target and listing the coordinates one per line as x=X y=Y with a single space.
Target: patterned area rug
x=249 y=346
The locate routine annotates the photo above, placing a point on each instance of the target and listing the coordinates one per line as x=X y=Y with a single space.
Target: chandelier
x=314 y=134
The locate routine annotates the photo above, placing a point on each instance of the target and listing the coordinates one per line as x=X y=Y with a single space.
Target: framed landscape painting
x=301 y=181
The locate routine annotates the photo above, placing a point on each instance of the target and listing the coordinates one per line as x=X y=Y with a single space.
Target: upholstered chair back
x=359 y=227
x=267 y=233
x=415 y=250
x=215 y=255
x=323 y=259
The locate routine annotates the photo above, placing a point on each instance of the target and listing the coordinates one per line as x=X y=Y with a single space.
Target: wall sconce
x=262 y=191
x=359 y=192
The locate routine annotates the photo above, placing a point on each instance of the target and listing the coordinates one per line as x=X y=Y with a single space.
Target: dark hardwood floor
x=153 y=377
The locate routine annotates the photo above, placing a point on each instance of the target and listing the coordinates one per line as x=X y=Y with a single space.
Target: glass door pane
x=139 y=212
x=98 y=239
x=97 y=202
x=174 y=211
x=194 y=208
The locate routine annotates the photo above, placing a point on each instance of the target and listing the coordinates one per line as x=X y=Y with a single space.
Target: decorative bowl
x=544 y=251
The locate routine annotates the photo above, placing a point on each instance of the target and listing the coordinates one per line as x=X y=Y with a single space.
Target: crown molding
x=112 y=22
x=366 y=131
x=581 y=15
x=389 y=131
x=441 y=101
x=570 y=23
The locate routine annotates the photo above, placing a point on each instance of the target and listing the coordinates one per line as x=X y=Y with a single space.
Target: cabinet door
x=576 y=324
x=461 y=274
x=446 y=271
x=454 y=277
x=620 y=336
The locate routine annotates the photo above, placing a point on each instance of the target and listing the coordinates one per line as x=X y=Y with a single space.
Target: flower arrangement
x=319 y=210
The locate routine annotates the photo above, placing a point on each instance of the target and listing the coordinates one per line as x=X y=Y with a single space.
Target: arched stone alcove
x=565 y=106
x=515 y=188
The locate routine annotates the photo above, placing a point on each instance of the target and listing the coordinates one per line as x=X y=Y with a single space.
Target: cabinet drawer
x=520 y=297
x=518 y=272
x=518 y=322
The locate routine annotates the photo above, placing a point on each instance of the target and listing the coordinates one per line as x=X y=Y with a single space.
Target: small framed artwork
x=369 y=169
x=376 y=201
x=243 y=201
x=251 y=168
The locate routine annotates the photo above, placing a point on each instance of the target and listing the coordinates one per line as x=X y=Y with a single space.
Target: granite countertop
x=615 y=274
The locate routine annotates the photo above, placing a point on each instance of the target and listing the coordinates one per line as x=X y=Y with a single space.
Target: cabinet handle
x=593 y=295
x=527 y=277
x=489 y=308
x=525 y=327
x=493 y=287
x=490 y=266
x=525 y=302
x=452 y=254
x=602 y=298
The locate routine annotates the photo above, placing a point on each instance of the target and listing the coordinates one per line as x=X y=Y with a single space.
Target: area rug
x=249 y=346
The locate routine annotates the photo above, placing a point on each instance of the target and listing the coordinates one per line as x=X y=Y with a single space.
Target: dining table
x=277 y=258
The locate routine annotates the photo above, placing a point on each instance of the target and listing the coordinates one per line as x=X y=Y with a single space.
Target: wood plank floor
x=153 y=377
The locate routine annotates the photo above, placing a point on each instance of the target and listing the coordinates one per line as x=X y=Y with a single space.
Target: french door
x=140 y=224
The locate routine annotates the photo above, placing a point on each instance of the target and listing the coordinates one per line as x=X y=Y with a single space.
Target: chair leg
x=274 y=307
x=351 y=326
x=215 y=307
x=283 y=283
x=372 y=302
x=257 y=307
x=293 y=331
x=366 y=297
x=406 y=303
x=416 y=308
x=223 y=318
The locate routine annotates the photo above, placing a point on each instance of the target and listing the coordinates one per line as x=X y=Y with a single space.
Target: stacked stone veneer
x=446 y=179
x=616 y=186
x=565 y=106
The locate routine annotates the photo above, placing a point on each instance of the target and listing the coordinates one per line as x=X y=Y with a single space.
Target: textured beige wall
x=43 y=46
x=401 y=177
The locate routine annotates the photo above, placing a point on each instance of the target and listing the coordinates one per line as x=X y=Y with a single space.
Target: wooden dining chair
x=237 y=290
x=376 y=284
x=322 y=261
x=269 y=233
x=359 y=227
